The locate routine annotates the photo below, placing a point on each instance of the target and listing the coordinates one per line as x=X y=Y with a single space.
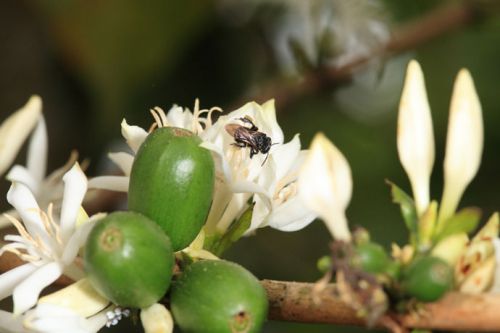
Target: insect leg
x=250 y=122
x=267 y=155
x=239 y=144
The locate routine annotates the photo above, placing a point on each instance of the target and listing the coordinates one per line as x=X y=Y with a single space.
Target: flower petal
x=325 y=185
x=157 y=319
x=24 y=202
x=123 y=160
x=222 y=197
x=415 y=135
x=234 y=209
x=179 y=117
x=79 y=297
x=248 y=187
x=76 y=241
x=10 y=279
x=10 y=323
x=22 y=175
x=259 y=214
x=464 y=143
x=75 y=187
x=266 y=118
x=37 y=153
x=16 y=128
x=134 y=135
x=98 y=321
x=26 y=294
x=112 y=183
x=292 y=215
x=285 y=156
x=49 y=318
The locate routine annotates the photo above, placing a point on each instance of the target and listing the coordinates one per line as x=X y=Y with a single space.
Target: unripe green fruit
x=324 y=264
x=172 y=182
x=427 y=279
x=218 y=296
x=371 y=257
x=129 y=259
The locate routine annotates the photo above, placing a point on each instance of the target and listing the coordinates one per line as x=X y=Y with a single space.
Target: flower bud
x=325 y=185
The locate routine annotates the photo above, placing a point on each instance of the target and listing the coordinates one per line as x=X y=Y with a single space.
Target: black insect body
x=250 y=137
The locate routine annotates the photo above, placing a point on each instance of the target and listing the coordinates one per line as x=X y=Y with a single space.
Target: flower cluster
x=53 y=226
x=267 y=182
x=274 y=183
x=439 y=234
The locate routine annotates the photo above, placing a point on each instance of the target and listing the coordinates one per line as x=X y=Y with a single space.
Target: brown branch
x=426 y=28
x=294 y=301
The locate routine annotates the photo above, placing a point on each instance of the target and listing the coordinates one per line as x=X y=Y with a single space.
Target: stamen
x=196 y=110
x=162 y=115
x=10 y=248
x=40 y=245
x=15 y=248
x=29 y=257
x=156 y=117
x=287 y=180
x=20 y=228
x=46 y=222
x=196 y=126
x=55 y=226
x=285 y=193
x=152 y=127
x=55 y=176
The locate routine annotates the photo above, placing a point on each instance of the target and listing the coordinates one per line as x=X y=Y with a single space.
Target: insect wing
x=232 y=128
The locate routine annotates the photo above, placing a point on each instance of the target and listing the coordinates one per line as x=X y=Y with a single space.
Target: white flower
x=236 y=173
x=49 y=318
x=16 y=128
x=49 y=246
x=415 y=135
x=46 y=188
x=268 y=181
x=279 y=179
x=135 y=136
x=335 y=31
x=464 y=143
x=238 y=177
x=325 y=185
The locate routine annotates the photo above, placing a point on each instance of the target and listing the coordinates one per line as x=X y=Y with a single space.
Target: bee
x=248 y=135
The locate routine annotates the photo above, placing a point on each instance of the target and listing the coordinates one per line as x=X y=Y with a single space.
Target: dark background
x=96 y=62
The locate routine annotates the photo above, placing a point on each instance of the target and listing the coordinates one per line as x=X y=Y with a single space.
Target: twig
x=296 y=301
x=432 y=25
x=293 y=301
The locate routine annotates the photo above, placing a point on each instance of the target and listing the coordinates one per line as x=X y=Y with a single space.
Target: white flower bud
x=325 y=185
x=464 y=143
x=415 y=136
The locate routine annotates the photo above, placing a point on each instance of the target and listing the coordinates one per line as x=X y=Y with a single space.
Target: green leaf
x=426 y=227
x=466 y=220
x=408 y=210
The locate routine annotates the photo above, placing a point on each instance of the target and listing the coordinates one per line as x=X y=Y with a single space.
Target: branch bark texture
x=294 y=301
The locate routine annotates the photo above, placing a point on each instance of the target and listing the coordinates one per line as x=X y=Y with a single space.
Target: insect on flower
x=250 y=137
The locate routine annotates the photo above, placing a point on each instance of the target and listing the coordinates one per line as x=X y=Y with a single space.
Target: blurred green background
x=96 y=62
